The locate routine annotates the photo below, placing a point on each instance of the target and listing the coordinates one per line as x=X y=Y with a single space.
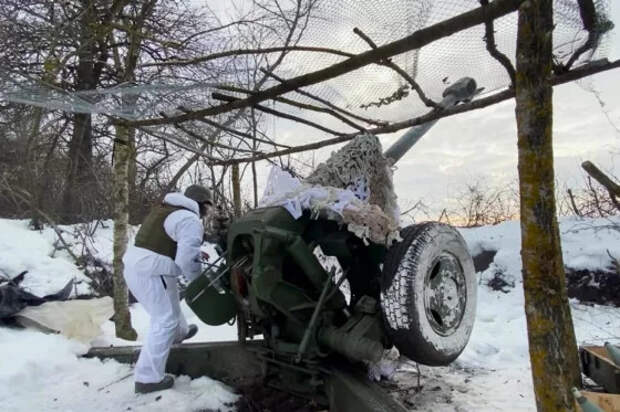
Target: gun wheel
x=428 y=293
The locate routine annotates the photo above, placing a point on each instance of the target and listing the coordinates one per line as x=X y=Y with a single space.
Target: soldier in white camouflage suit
x=166 y=246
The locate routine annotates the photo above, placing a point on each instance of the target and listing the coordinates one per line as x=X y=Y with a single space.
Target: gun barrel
x=462 y=90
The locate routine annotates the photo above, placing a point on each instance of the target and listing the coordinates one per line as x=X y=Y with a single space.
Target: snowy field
x=44 y=372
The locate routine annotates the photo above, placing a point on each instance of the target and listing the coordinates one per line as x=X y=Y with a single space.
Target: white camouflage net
x=353 y=187
x=360 y=167
x=373 y=91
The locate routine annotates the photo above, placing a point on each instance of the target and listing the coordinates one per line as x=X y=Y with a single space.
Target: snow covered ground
x=44 y=372
x=493 y=373
x=41 y=372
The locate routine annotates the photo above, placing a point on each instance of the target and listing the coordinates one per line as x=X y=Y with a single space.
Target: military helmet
x=199 y=193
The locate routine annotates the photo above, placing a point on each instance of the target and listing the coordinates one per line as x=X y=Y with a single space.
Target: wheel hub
x=445 y=294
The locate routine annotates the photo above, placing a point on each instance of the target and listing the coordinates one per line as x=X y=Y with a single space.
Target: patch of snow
x=497 y=351
x=44 y=372
x=585 y=242
x=24 y=249
x=50 y=367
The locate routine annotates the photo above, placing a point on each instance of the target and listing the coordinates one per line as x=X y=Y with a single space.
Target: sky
x=481 y=146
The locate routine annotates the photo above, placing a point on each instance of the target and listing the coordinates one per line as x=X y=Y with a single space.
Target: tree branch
x=587 y=12
x=582 y=71
x=277 y=113
x=489 y=38
x=211 y=143
x=415 y=41
x=174 y=141
x=300 y=105
x=388 y=63
x=238 y=133
x=240 y=52
x=328 y=104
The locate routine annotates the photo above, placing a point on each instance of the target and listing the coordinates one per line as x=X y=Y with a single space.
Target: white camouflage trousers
x=159 y=295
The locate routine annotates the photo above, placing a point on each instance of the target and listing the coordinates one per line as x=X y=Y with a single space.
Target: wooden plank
x=600 y=352
x=606 y=401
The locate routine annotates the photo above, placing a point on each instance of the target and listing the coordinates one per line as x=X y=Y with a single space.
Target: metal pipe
x=354 y=347
x=462 y=90
x=315 y=315
x=301 y=254
x=214 y=281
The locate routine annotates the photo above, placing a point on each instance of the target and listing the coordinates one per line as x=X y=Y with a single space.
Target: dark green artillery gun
x=418 y=294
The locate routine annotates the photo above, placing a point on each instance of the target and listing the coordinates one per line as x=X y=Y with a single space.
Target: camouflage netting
x=360 y=167
x=379 y=92
x=374 y=91
x=370 y=222
x=354 y=186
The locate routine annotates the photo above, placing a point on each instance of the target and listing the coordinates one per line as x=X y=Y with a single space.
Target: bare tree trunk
x=80 y=145
x=573 y=205
x=254 y=184
x=93 y=52
x=254 y=148
x=40 y=187
x=124 y=168
x=553 y=351
x=31 y=165
x=213 y=185
x=134 y=198
x=122 y=157
x=236 y=186
x=80 y=156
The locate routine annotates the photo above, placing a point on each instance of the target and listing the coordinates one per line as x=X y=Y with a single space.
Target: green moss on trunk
x=553 y=350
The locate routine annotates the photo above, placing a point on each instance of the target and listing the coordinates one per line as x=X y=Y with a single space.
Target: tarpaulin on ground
x=79 y=319
x=14 y=298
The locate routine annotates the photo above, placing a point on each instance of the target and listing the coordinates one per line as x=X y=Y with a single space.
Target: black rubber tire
x=407 y=268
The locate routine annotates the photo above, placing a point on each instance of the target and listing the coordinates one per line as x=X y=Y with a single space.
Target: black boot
x=165 y=383
x=191 y=331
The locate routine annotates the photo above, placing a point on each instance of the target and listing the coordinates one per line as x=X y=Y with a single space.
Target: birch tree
x=124 y=155
x=553 y=350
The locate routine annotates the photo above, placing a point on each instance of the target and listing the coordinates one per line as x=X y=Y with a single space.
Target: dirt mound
x=600 y=287
x=483 y=260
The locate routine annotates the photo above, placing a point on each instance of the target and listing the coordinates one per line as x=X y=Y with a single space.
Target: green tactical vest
x=153 y=236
